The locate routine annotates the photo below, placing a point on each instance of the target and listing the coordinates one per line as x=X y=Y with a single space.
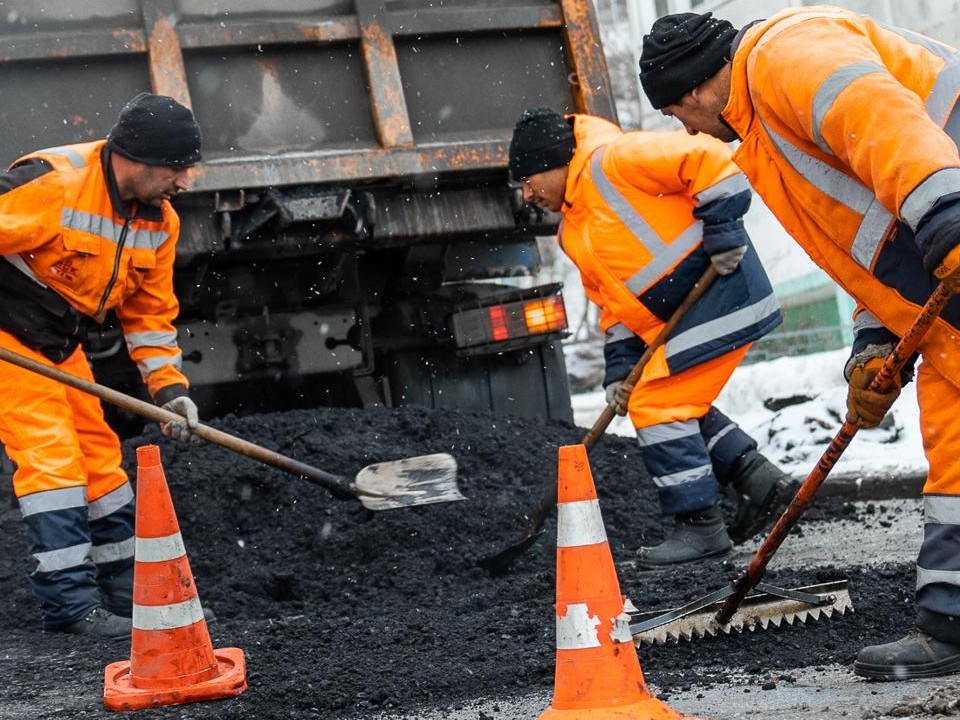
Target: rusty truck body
x=351 y=237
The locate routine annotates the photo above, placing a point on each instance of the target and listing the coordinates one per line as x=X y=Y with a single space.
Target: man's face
x=699 y=111
x=152 y=184
x=546 y=188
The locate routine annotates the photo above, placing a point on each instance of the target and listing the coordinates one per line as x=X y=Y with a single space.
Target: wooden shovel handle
x=339 y=486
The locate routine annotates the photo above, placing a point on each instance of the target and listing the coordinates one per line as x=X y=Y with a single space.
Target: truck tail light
x=545 y=315
x=510 y=321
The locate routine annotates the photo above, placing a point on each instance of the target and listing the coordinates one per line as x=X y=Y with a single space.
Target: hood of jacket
x=591 y=132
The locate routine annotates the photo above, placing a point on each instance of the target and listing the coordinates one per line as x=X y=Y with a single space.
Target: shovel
x=718 y=612
x=421 y=480
x=500 y=563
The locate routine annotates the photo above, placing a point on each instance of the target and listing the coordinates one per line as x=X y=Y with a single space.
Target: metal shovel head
x=421 y=480
x=770 y=606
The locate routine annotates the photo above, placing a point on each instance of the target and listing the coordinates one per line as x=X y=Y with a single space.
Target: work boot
x=101 y=623
x=763 y=493
x=696 y=536
x=918 y=655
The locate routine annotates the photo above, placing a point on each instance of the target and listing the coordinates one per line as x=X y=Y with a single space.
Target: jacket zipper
x=116 y=266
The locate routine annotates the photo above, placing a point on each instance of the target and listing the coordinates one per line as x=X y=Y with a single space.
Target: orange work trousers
x=686 y=395
x=56 y=435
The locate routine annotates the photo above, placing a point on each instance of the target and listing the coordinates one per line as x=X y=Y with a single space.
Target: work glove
x=948 y=271
x=614 y=400
x=866 y=408
x=727 y=261
x=182 y=431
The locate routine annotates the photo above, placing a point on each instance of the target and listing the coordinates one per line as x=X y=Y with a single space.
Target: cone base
x=120 y=694
x=647 y=709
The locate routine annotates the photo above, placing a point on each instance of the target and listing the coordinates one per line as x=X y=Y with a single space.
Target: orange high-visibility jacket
x=629 y=226
x=841 y=121
x=62 y=230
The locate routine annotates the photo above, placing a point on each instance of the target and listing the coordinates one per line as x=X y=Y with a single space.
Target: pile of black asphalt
x=346 y=613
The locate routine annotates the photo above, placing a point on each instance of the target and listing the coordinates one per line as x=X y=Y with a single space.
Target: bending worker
x=86 y=229
x=848 y=132
x=644 y=215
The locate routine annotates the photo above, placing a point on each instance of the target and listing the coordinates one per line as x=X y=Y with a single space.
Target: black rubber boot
x=100 y=623
x=918 y=655
x=696 y=536
x=763 y=493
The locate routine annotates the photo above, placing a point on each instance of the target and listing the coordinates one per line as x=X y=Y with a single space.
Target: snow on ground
x=795 y=436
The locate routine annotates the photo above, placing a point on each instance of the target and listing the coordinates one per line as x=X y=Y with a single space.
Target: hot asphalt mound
x=343 y=612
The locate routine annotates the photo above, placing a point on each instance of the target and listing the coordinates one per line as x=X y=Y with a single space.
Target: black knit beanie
x=156 y=130
x=542 y=140
x=681 y=52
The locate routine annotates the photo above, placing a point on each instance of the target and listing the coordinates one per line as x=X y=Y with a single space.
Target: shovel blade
x=421 y=480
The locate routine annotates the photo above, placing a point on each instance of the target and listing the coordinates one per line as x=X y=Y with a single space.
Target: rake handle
x=883 y=381
x=549 y=499
x=339 y=486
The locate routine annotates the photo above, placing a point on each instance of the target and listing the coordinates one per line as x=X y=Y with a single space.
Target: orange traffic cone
x=172 y=660
x=598 y=672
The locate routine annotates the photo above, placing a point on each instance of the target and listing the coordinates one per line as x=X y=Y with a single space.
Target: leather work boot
x=101 y=623
x=918 y=655
x=763 y=491
x=696 y=536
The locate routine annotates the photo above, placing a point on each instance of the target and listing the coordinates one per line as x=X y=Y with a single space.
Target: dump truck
x=351 y=237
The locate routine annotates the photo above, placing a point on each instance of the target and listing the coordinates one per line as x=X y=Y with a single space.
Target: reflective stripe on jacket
x=64 y=231
x=629 y=226
x=846 y=146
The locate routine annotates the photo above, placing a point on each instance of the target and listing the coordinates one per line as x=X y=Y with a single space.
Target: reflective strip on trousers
x=111 y=502
x=62 y=559
x=943 y=510
x=667 y=432
x=53 y=500
x=113 y=552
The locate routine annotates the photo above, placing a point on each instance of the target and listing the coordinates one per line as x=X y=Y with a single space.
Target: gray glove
x=613 y=397
x=182 y=431
x=727 y=261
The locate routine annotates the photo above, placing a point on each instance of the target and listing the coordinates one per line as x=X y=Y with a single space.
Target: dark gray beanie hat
x=156 y=130
x=542 y=140
x=681 y=52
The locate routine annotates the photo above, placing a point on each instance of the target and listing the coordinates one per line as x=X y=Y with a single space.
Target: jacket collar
x=739 y=111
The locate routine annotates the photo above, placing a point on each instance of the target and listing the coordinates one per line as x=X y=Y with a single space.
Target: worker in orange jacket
x=644 y=214
x=848 y=132
x=84 y=230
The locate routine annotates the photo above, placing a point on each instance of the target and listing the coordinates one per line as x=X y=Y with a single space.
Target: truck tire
x=531 y=382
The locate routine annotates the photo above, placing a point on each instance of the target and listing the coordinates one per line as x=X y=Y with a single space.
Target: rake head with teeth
x=767 y=606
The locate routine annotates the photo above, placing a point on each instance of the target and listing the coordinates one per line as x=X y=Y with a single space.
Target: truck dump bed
x=354 y=157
